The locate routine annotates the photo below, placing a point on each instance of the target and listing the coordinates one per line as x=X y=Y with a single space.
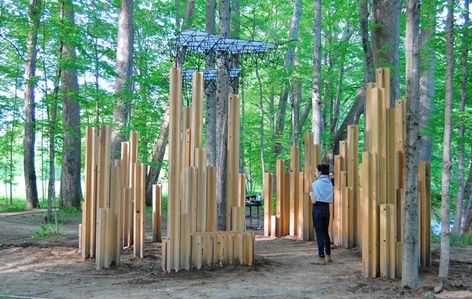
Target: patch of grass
x=461 y=241
x=46 y=230
x=18 y=205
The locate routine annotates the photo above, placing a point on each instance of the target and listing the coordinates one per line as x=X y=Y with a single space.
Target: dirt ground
x=51 y=267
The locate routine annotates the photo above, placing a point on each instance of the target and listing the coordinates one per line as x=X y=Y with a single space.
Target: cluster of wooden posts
x=370 y=212
x=113 y=213
x=293 y=204
x=192 y=240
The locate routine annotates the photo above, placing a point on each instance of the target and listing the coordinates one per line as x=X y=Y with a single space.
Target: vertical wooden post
x=103 y=174
x=232 y=156
x=87 y=210
x=242 y=190
x=268 y=195
x=301 y=206
x=286 y=205
x=101 y=232
x=280 y=178
x=156 y=213
x=202 y=188
x=93 y=191
x=294 y=169
x=211 y=193
x=125 y=173
x=196 y=114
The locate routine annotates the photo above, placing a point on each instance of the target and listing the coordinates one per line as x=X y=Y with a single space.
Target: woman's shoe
x=328 y=259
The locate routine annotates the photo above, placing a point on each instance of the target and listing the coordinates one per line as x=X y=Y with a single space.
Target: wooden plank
x=196 y=113
x=267 y=197
x=293 y=199
x=208 y=249
x=137 y=211
x=249 y=242
x=156 y=212
x=185 y=248
x=286 y=205
x=399 y=252
x=399 y=125
x=427 y=214
x=93 y=191
x=201 y=189
x=108 y=258
x=116 y=212
x=384 y=246
x=301 y=207
x=351 y=210
x=104 y=164
x=197 y=250
x=187 y=151
x=232 y=155
x=239 y=248
x=274 y=225
x=364 y=214
x=242 y=190
x=391 y=238
x=345 y=216
x=229 y=246
x=87 y=206
x=164 y=250
x=238 y=218
x=337 y=199
x=280 y=178
x=368 y=117
x=374 y=215
x=101 y=231
x=125 y=173
x=308 y=141
x=211 y=193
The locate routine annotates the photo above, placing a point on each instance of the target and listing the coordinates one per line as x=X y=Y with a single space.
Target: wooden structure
x=293 y=204
x=192 y=240
x=381 y=185
x=113 y=212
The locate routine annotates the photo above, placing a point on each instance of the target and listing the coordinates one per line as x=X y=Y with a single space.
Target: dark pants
x=321 y=224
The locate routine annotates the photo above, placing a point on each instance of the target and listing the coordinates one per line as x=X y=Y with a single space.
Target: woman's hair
x=323 y=168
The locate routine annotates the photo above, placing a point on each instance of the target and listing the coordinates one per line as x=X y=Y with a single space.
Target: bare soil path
x=51 y=267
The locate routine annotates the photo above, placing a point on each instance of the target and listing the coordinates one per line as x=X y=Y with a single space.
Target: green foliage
x=46 y=230
x=17 y=205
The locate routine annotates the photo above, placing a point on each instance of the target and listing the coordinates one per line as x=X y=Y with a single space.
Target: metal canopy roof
x=199 y=41
x=209 y=74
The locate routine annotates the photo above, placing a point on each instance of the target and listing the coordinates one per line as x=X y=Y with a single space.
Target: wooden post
x=242 y=190
x=280 y=178
x=87 y=209
x=156 y=213
x=374 y=216
x=232 y=156
x=201 y=189
x=185 y=249
x=211 y=193
x=286 y=205
x=101 y=231
x=104 y=168
x=197 y=248
x=93 y=191
x=173 y=215
x=196 y=114
x=229 y=246
x=364 y=214
x=239 y=247
x=164 y=252
x=125 y=173
x=268 y=195
x=133 y=159
x=294 y=169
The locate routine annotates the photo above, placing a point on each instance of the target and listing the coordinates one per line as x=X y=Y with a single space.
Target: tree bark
x=446 y=159
x=316 y=93
x=34 y=12
x=222 y=90
x=385 y=40
x=189 y=13
x=210 y=88
x=410 y=206
x=288 y=63
x=261 y=124
x=70 y=176
x=467 y=216
x=369 y=75
x=464 y=71
x=123 y=69
x=427 y=82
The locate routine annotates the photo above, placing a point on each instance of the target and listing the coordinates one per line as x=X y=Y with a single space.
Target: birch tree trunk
x=34 y=12
x=316 y=85
x=385 y=40
x=427 y=82
x=222 y=91
x=410 y=207
x=446 y=159
x=464 y=71
x=210 y=88
x=123 y=69
x=70 y=175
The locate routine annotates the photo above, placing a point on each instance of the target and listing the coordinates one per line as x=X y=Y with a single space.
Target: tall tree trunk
x=123 y=69
x=34 y=12
x=210 y=88
x=427 y=82
x=189 y=13
x=446 y=160
x=296 y=100
x=464 y=71
x=410 y=207
x=316 y=93
x=222 y=90
x=369 y=75
x=385 y=40
x=261 y=124
x=70 y=176
x=467 y=216
x=288 y=63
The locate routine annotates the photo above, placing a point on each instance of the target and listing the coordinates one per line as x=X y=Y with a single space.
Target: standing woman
x=322 y=196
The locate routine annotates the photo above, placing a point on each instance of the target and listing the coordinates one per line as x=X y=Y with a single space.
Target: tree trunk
x=261 y=124
x=410 y=207
x=464 y=71
x=467 y=216
x=288 y=63
x=34 y=12
x=70 y=176
x=210 y=88
x=189 y=13
x=369 y=75
x=316 y=96
x=427 y=82
x=222 y=90
x=446 y=160
x=385 y=40
x=123 y=69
